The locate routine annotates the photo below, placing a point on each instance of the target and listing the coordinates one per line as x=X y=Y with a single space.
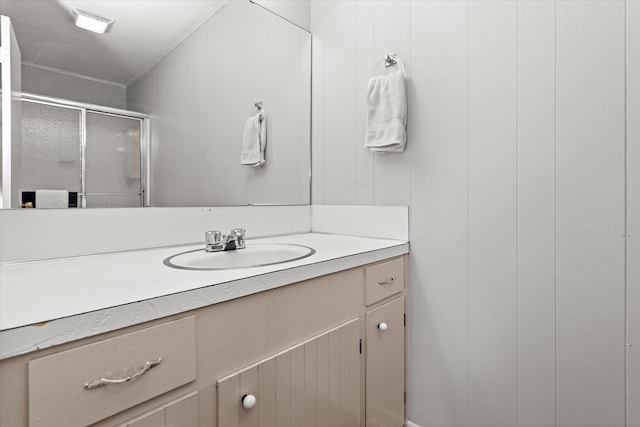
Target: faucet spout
x=217 y=242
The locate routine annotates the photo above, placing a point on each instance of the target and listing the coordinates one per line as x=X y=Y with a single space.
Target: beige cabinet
x=385 y=365
x=315 y=383
x=180 y=413
x=80 y=386
x=310 y=353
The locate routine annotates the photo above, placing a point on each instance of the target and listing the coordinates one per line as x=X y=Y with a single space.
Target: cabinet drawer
x=383 y=280
x=58 y=393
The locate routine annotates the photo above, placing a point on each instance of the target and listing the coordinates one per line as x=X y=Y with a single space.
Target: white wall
x=58 y=84
x=297 y=11
x=199 y=97
x=515 y=177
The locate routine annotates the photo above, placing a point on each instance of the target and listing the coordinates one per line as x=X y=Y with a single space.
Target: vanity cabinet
x=311 y=354
x=180 y=413
x=315 y=383
x=385 y=365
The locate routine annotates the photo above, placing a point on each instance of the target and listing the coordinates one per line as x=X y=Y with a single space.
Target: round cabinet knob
x=248 y=401
x=383 y=326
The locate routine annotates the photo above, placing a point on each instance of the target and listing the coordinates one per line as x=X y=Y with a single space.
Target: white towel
x=52 y=199
x=254 y=141
x=387 y=113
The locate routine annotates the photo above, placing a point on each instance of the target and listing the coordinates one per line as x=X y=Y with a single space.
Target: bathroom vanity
x=318 y=341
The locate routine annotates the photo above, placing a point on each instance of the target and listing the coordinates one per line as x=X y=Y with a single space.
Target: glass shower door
x=113 y=167
x=51 y=147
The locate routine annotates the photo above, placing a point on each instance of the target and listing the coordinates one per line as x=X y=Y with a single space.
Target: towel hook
x=258 y=105
x=390 y=59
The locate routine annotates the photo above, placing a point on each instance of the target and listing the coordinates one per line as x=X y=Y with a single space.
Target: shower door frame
x=83 y=108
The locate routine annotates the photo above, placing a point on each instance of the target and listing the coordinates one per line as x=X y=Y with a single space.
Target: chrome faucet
x=217 y=242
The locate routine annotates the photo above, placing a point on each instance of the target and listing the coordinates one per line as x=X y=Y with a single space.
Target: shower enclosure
x=97 y=152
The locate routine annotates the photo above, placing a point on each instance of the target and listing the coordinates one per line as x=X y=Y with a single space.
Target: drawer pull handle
x=383 y=326
x=107 y=381
x=388 y=281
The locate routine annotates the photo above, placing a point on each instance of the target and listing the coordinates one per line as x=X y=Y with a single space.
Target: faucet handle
x=213 y=237
x=239 y=234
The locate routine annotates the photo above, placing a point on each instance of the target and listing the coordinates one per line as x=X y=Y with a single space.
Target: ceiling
x=143 y=32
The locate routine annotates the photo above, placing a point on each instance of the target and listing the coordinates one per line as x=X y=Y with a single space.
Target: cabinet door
x=385 y=365
x=179 y=413
x=315 y=383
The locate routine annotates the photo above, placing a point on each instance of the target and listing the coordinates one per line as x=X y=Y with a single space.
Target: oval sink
x=254 y=255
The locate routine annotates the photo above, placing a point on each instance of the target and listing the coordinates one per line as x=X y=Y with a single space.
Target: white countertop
x=46 y=303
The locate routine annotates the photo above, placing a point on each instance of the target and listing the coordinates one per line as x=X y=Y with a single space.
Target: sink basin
x=254 y=255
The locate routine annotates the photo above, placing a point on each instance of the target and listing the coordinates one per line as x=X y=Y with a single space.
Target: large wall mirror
x=155 y=111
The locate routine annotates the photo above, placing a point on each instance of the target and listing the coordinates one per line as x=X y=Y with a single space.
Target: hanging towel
x=254 y=141
x=387 y=113
x=52 y=199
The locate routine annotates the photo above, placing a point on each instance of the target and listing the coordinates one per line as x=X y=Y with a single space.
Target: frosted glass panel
x=50 y=148
x=113 y=201
x=112 y=154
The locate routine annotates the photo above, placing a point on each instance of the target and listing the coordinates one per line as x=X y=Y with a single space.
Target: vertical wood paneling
x=364 y=63
x=322 y=381
x=590 y=213
x=249 y=385
x=491 y=217
x=391 y=26
x=316 y=383
x=438 y=351
x=310 y=395
x=283 y=390
x=353 y=418
x=633 y=214
x=344 y=396
x=228 y=402
x=297 y=386
x=267 y=393
x=496 y=201
x=318 y=123
x=334 y=378
x=339 y=102
x=385 y=358
x=536 y=213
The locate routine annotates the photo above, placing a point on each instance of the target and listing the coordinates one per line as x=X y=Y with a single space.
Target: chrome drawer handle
x=107 y=381
x=388 y=281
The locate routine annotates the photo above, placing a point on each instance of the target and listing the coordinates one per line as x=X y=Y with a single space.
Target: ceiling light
x=89 y=21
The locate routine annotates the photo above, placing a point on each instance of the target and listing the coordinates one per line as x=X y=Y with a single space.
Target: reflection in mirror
x=198 y=89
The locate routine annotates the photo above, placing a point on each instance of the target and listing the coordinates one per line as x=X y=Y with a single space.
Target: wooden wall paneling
x=391 y=28
x=492 y=222
x=536 y=213
x=267 y=393
x=364 y=63
x=283 y=390
x=249 y=384
x=590 y=212
x=385 y=357
x=437 y=322
x=229 y=405
x=633 y=213
x=297 y=386
x=310 y=384
x=339 y=103
x=318 y=124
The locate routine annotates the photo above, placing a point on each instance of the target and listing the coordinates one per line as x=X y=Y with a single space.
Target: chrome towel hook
x=390 y=60
x=258 y=105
